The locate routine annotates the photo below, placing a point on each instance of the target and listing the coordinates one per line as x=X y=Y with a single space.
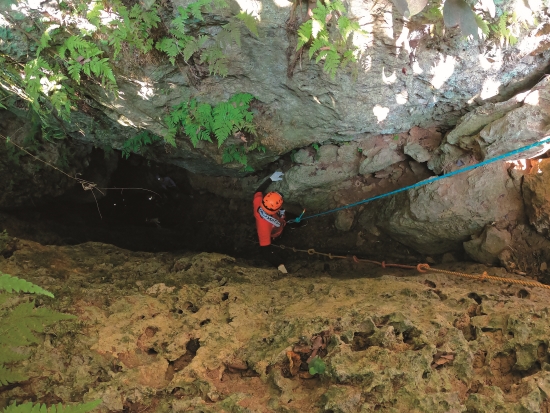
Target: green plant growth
x=238 y=153
x=133 y=26
x=202 y=122
x=208 y=48
x=327 y=41
x=316 y=366
x=77 y=46
x=460 y=13
x=135 y=144
x=18 y=324
x=59 y=408
x=502 y=30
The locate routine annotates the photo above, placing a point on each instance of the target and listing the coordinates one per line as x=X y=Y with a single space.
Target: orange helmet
x=272 y=202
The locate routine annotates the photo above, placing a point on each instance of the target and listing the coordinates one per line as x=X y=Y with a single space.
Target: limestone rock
x=380 y=153
x=460 y=205
x=536 y=194
x=344 y=219
x=400 y=340
x=488 y=246
x=421 y=143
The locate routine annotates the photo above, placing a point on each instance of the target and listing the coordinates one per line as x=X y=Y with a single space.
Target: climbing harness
x=427 y=181
x=420 y=268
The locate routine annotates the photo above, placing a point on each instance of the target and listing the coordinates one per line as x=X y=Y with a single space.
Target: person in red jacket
x=270 y=218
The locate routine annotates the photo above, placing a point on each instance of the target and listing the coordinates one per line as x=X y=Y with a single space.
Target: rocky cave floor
x=205 y=332
x=191 y=315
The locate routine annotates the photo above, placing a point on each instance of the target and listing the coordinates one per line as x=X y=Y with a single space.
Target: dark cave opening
x=153 y=208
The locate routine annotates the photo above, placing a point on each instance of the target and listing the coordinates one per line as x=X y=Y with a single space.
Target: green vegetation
x=17 y=324
x=19 y=320
x=135 y=144
x=326 y=41
x=78 y=46
x=59 y=408
x=494 y=24
x=317 y=366
x=202 y=122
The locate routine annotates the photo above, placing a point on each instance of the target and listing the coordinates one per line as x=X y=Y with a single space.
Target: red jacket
x=268 y=226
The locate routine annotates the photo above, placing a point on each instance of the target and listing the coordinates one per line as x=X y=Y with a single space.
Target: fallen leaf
x=295 y=362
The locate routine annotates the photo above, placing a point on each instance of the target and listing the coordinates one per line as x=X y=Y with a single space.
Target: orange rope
x=422 y=268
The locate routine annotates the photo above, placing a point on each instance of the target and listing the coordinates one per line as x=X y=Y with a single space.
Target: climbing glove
x=277 y=176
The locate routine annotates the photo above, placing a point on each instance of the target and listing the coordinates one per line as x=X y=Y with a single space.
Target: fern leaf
x=190 y=48
x=169 y=136
x=60 y=102
x=331 y=63
x=204 y=116
x=322 y=54
x=338 y=6
x=344 y=27
x=230 y=33
x=195 y=10
x=8 y=376
x=241 y=99
x=10 y=284
x=316 y=45
x=59 y=408
x=45 y=38
x=304 y=33
x=320 y=13
x=168 y=46
x=347 y=58
x=17 y=327
x=224 y=118
x=94 y=14
x=178 y=23
x=249 y=21
x=482 y=24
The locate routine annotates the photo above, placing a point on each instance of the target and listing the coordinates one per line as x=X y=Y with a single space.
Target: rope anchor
x=422 y=268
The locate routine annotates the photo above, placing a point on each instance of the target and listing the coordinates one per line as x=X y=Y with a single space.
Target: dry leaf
x=295 y=362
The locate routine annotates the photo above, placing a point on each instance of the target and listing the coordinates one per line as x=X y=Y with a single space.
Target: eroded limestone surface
x=207 y=333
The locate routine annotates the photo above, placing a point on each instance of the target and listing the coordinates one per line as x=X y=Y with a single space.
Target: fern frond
x=230 y=33
x=17 y=327
x=338 y=6
x=216 y=60
x=10 y=284
x=9 y=356
x=249 y=21
x=316 y=45
x=241 y=99
x=193 y=46
x=59 y=408
x=347 y=58
x=170 y=47
x=179 y=22
x=225 y=116
x=320 y=12
x=60 y=102
x=169 y=136
x=8 y=376
x=304 y=33
x=332 y=62
x=94 y=14
x=45 y=38
x=74 y=69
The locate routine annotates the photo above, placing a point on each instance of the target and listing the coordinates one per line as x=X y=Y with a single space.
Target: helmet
x=272 y=202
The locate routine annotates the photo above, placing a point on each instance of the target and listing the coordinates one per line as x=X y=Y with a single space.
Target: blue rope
x=427 y=181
